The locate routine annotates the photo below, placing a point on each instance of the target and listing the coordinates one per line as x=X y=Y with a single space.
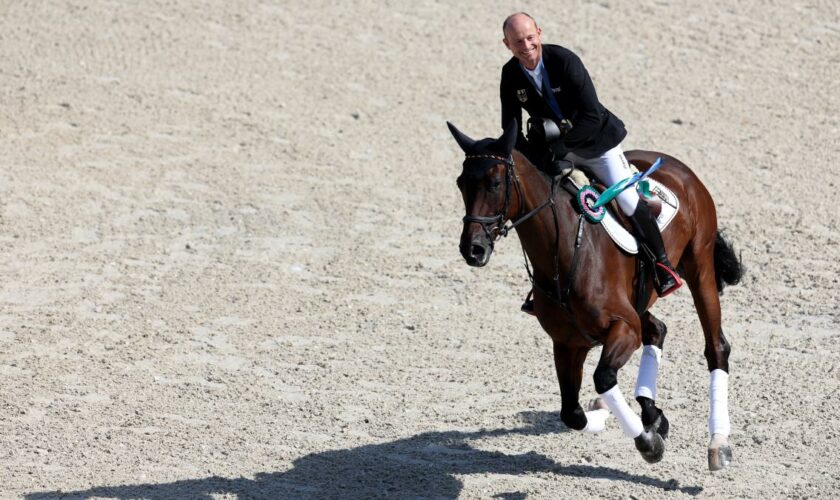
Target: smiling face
x=522 y=37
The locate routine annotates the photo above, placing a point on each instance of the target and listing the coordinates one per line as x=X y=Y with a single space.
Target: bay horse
x=581 y=310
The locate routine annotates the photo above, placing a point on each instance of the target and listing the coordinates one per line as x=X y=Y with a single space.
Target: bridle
x=512 y=180
x=497 y=222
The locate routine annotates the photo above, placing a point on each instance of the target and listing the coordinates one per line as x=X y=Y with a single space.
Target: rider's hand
x=559 y=167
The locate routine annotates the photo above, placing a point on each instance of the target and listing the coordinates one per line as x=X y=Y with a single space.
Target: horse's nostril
x=477 y=251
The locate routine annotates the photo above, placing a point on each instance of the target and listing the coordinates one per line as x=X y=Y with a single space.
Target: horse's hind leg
x=653 y=338
x=700 y=274
x=619 y=345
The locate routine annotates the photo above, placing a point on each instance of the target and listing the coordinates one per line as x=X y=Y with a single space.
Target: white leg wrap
x=596 y=420
x=648 y=370
x=629 y=422
x=718 y=403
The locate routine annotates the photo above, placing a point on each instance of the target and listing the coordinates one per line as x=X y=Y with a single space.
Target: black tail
x=728 y=267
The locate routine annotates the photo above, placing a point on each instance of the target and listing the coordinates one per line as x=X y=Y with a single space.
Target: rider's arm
x=587 y=119
x=512 y=110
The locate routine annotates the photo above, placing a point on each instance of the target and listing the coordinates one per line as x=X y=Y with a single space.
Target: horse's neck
x=539 y=234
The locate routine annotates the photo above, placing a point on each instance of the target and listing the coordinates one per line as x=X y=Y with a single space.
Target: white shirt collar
x=535 y=74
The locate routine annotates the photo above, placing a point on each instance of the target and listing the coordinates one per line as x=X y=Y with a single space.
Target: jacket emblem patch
x=522 y=95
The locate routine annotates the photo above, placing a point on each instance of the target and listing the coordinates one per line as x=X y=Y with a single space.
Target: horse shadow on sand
x=421 y=466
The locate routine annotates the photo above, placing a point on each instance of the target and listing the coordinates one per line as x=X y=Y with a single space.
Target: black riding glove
x=559 y=149
x=559 y=167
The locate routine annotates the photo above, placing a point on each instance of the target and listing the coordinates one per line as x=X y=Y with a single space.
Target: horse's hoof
x=720 y=453
x=598 y=404
x=661 y=425
x=651 y=445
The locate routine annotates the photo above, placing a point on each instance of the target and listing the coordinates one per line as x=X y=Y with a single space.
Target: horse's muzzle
x=476 y=252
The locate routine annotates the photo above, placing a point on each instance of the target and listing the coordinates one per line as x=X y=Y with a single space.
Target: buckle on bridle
x=484 y=221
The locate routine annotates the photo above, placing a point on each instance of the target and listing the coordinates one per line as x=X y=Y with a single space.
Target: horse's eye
x=495 y=184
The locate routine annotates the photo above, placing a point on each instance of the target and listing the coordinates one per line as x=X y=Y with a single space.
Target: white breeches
x=609 y=168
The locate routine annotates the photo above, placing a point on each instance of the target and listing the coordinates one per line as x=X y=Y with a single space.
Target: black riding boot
x=646 y=229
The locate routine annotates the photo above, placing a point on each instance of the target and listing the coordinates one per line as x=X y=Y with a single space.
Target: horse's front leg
x=653 y=339
x=621 y=341
x=568 y=361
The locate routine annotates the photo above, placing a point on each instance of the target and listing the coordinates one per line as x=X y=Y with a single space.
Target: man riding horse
x=503 y=190
x=568 y=126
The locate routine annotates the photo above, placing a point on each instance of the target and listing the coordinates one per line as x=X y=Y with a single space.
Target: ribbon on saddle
x=616 y=189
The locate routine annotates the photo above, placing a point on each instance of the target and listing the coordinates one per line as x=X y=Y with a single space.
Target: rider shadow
x=423 y=466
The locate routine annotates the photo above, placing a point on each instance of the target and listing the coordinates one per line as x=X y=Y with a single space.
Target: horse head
x=485 y=184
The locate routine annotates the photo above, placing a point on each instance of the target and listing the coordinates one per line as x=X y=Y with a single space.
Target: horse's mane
x=577 y=175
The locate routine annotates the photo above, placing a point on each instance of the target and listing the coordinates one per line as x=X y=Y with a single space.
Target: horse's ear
x=465 y=142
x=508 y=139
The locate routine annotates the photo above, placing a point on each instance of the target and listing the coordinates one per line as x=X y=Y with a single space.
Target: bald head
x=522 y=37
x=516 y=19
